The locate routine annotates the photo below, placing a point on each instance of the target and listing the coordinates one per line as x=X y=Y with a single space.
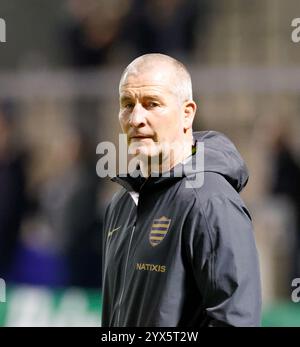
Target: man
x=176 y=254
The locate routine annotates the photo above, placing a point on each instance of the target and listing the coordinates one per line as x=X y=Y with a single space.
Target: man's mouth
x=140 y=137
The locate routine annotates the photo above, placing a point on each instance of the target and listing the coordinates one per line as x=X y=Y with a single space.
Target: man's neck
x=163 y=163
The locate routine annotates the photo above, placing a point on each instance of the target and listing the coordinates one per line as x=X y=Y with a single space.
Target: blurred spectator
x=12 y=189
x=167 y=26
x=287 y=182
x=94 y=28
x=68 y=202
x=62 y=236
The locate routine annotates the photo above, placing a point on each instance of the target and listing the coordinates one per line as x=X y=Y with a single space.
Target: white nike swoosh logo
x=112 y=231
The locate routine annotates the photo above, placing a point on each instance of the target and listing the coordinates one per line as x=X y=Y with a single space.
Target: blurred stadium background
x=59 y=72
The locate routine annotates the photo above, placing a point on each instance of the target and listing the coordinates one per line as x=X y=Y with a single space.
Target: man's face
x=150 y=112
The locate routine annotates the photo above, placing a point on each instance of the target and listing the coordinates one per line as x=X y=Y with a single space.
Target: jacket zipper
x=125 y=273
x=126 y=263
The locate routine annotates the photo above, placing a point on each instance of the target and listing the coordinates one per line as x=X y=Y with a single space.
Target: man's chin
x=139 y=149
x=144 y=153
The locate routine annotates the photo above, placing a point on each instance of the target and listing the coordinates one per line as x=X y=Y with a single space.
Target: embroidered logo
x=112 y=231
x=159 y=230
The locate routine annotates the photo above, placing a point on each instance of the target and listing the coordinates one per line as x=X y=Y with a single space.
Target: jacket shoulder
x=118 y=196
x=214 y=184
x=115 y=200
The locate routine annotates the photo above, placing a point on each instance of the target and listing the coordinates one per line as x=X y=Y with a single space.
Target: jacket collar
x=136 y=181
x=131 y=183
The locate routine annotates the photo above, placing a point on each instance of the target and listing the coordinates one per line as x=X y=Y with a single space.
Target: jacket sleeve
x=104 y=236
x=104 y=304
x=225 y=262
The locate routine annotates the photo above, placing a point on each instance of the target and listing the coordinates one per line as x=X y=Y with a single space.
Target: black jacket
x=184 y=255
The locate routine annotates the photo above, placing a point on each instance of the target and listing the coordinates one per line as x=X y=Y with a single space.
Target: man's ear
x=189 y=110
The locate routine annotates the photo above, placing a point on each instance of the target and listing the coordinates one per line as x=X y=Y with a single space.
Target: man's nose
x=137 y=116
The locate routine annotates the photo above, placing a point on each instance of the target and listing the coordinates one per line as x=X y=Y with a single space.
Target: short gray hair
x=183 y=85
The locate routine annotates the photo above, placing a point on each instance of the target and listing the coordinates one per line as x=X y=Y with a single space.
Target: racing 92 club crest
x=159 y=230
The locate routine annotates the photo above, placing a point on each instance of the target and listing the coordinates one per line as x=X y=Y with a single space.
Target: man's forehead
x=147 y=81
x=149 y=76
x=145 y=88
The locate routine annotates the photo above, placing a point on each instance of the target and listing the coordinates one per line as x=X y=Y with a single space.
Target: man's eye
x=153 y=104
x=129 y=105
